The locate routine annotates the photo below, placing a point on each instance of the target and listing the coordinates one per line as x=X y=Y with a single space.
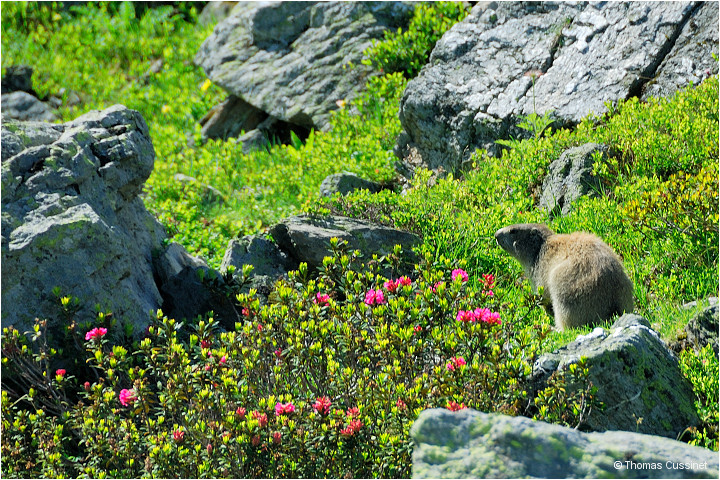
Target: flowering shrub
x=338 y=400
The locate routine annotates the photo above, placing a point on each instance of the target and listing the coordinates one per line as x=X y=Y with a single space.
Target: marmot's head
x=523 y=241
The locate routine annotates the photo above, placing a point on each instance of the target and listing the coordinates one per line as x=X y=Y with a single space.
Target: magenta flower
x=178 y=436
x=284 y=408
x=127 y=397
x=374 y=297
x=437 y=285
x=352 y=428
x=95 y=332
x=322 y=298
x=60 y=372
x=322 y=405
x=455 y=362
x=245 y=311
x=390 y=286
x=223 y=359
x=459 y=272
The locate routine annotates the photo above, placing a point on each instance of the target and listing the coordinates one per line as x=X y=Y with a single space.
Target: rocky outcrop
x=701 y=330
x=637 y=377
x=72 y=218
x=570 y=177
x=23 y=106
x=307 y=239
x=291 y=60
x=509 y=59
x=471 y=444
x=344 y=183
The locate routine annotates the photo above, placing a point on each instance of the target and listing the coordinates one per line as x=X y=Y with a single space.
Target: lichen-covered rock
x=690 y=59
x=291 y=59
x=471 y=444
x=345 y=183
x=570 y=177
x=637 y=377
x=509 y=59
x=72 y=218
x=307 y=239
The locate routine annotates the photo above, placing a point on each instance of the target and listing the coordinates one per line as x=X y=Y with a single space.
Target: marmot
x=583 y=279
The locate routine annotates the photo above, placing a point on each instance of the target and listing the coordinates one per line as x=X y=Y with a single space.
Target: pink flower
x=322 y=405
x=208 y=367
x=223 y=359
x=284 y=408
x=417 y=329
x=60 y=372
x=488 y=281
x=373 y=297
x=455 y=362
x=205 y=344
x=278 y=353
x=404 y=281
x=95 y=332
x=209 y=448
x=390 y=286
x=465 y=316
x=459 y=272
x=245 y=312
x=87 y=386
x=277 y=438
x=353 y=427
x=322 y=298
x=438 y=285
x=240 y=412
x=353 y=412
x=260 y=417
x=178 y=436
x=479 y=315
x=259 y=327
x=453 y=406
x=127 y=397
x=400 y=404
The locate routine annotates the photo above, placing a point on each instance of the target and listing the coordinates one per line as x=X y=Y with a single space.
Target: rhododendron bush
x=324 y=381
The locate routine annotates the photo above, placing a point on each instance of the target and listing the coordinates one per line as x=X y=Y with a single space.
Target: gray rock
x=210 y=193
x=345 y=183
x=270 y=264
x=510 y=59
x=213 y=12
x=17 y=78
x=702 y=329
x=307 y=239
x=25 y=107
x=231 y=118
x=570 y=177
x=291 y=59
x=190 y=288
x=690 y=59
x=72 y=218
x=636 y=376
x=471 y=444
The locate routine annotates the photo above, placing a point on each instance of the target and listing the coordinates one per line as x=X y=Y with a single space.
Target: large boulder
x=638 y=379
x=25 y=107
x=471 y=444
x=346 y=182
x=307 y=239
x=295 y=60
x=564 y=59
x=72 y=218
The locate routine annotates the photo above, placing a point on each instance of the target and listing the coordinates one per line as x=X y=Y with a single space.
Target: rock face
x=307 y=239
x=701 y=330
x=636 y=376
x=71 y=217
x=509 y=59
x=290 y=59
x=570 y=177
x=471 y=444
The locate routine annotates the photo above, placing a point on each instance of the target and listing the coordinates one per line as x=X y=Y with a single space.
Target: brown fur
x=583 y=279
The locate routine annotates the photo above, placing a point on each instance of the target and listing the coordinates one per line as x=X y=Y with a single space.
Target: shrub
x=407 y=51
x=323 y=382
x=702 y=369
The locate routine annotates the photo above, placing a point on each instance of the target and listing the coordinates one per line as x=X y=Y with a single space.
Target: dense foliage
x=192 y=400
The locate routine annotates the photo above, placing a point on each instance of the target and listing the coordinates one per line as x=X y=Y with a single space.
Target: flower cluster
x=127 y=397
x=260 y=417
x=483 y=315
x=453 y=406
x=95 y=333
x=459 y=272
x=392 y=285
x=374 y=297
x=455 y=362
x=353 y=427
x=284 y=408
x=488 y=283
x=322 y=405
x=322 y=298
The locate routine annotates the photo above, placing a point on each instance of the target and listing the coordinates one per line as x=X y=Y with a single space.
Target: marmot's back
x=583 y=279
